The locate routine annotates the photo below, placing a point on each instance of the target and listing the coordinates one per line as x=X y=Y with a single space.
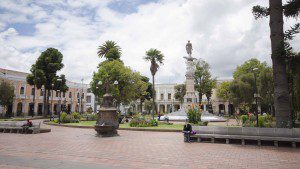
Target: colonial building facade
x=28 y=100
x=166 y=101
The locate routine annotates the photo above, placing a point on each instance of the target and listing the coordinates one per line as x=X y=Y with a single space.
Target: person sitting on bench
x=187 y=130
x=26 y=126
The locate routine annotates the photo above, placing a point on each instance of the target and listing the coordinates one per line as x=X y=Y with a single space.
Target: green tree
x=148 y=106
x=180 y=91
x=145 y=95
x=241 y=90
x=43 y=73
x=276 y=10
x=223 y=91
x=155 y=57
x=129 y=87
x=204 y=83
x=109 y=50
x=6 y=94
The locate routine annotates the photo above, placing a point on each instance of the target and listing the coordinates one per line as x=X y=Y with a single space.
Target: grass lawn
x=126 y=125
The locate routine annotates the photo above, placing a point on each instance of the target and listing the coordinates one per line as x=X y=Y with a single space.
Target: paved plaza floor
x=79 y=148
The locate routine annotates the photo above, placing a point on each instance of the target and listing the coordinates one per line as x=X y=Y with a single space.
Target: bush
x=76 y=115
x=193 y=116
x=70 y=118
x=89 y=117
x=141 y=121
x=244 y=118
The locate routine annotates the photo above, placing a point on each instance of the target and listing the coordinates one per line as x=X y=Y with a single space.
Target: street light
x=59 y=80
x=52 y=85
x=256 y=95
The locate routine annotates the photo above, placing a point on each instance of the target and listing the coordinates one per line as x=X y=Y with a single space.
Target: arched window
x=22 y=90
x=33 y=91
x=70 y=95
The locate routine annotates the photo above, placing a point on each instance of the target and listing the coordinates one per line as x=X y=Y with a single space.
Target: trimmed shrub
x=141 y=121
x=193 y=116
x=244 y=118
x=76 y=115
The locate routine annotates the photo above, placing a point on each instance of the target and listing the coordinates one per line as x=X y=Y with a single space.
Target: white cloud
x=223 y=32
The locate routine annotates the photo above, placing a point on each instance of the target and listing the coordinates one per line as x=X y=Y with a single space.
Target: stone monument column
x=190 y=96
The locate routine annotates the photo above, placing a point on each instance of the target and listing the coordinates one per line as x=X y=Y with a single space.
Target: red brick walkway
x=79 y=148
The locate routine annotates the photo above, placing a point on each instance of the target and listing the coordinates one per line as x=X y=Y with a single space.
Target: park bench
x=16 y=127
x=247 y=133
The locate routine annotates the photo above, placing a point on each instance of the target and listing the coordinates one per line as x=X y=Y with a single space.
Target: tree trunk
x=153 y=97
x=281 y=92
x=45 y=107
x=141 y=104
x=200 y=97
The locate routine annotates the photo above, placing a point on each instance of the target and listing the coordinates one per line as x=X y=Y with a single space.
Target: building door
x=19 y=109
x=40 y=109
x=31 y=109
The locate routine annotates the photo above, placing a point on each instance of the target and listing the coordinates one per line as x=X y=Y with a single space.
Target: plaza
x=62 y=148
x=160 y=84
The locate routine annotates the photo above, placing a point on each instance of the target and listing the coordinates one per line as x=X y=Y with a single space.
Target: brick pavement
x=79 y=148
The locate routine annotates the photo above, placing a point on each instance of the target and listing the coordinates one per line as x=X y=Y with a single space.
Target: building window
x=22 y=90
x=169 y=96
x=70 y=94
x=33 y=91
x=42 y=92
x=161 y=96
x=89 y=90
x=82 y=96
x=88 y=99
x=57 y=93
x=77 y=95
x=49 y=93
x=64 y=94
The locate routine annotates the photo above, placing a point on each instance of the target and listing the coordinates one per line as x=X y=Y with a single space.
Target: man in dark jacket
x=187 y=130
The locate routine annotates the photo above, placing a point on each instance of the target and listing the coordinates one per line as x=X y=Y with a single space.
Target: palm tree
x=155 y=57
x=110 y=50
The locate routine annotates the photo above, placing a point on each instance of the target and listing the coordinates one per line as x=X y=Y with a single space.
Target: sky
x=223 y=32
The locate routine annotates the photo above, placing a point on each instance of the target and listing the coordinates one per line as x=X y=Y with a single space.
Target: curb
x=130 y=129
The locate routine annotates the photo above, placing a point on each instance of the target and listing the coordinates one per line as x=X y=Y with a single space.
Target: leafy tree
x=43 y=73
x=280 y=47
x=204 y=83
x=6 y=94
x=223 y=90
x=180 y=91
x=155 y=57
x=241 y=90
x=146 y=95
x=129 y=87
x=148 y=106
x=109 y=50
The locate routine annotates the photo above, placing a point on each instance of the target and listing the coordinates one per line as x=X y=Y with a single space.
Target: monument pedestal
x=107 y=122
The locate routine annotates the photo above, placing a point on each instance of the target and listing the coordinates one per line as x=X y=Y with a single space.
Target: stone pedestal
x=190 y=97
x=107 y=123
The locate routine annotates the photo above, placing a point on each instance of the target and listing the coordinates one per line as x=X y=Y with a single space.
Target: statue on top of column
x=189 y=48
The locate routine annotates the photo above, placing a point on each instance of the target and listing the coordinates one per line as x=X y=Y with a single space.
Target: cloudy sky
x=223 y=32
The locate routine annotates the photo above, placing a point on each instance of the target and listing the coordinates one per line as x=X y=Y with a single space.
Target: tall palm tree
x=155 y=57
x=110 y=50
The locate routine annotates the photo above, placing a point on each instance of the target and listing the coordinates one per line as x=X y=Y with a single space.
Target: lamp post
x=59 y=106
x=81 y=97
x=52 y=85
x=33 y=100
x=256 y=95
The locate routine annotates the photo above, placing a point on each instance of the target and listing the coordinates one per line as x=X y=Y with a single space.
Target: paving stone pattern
x=79 y=148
